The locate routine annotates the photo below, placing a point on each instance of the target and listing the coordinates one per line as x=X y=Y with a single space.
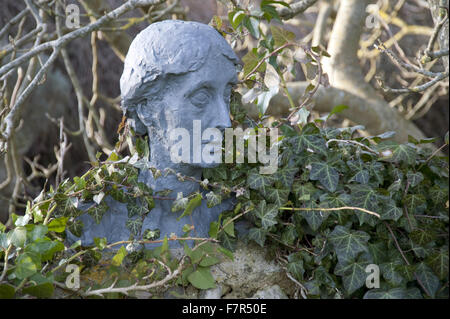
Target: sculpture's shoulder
x=113 y=224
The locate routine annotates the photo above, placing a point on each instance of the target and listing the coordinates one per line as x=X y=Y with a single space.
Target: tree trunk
x=443 y=35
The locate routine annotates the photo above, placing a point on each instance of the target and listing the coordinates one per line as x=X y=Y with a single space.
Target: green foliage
x=345 y=207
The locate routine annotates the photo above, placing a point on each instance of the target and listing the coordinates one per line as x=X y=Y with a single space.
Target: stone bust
x=175 y=72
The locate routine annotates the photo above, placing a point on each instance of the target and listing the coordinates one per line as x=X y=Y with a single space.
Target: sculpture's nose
x=221 y=118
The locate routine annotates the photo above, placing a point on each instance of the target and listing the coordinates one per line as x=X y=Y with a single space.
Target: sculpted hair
x=164 y=49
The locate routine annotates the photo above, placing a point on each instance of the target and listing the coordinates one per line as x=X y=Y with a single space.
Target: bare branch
x=13 y=21
x=60 y=42
x=12 y=118
x=441 y=76
x=296 y=8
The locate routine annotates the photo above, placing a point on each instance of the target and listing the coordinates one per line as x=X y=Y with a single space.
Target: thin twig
x=331 y=209
x=404 y=257
x=353 y=142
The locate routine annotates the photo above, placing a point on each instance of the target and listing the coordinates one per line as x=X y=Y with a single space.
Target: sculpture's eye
x=200 y=97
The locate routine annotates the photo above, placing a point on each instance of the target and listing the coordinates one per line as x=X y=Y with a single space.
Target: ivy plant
x=339 y=207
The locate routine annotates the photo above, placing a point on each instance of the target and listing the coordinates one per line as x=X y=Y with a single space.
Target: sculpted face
x=193 y=103
x=178 y=75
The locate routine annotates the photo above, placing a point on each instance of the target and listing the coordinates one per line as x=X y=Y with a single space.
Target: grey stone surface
x=213 y=293
x=249 y=272
x=272 y=292
x=175 y=72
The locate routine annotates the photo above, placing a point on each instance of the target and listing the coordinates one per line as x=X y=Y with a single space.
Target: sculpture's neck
x=160 y=158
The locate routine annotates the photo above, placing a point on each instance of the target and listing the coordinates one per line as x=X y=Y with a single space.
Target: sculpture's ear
x=136 y=123
x=144 y=114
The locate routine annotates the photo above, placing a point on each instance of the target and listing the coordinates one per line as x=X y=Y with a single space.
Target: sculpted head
x=176 y=72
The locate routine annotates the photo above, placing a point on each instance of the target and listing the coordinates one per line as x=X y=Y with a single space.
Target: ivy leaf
x=295 y=266
x=286 y=175
x=414 y=179
x=276 y=195
x=438 y=261
x=333 y=200
x=76 y=227
x=213 y=229
x=226 y=252
x=119 y=256
x=27 y=264
x=364 y=196
x=44 y=290
x=226 y=241
x=192 y=204
x=390 y=211
x=347 y=243
x=270 y=12
x=421 y=237
x=362 y=174
x=228 y=226
x=315 y=218
x=429 y=281
x=266 y=213
x=45 y=248
x=97 y=211
x=252 y=25
x=305 y=192
x=326 y=175
x=281 y=36
x=258 y=235
x=289 y=235
x=251 y=60
x=208 y=261
x=202 y=278
x=236 y=17
x=439 y=194
x=179 y=203
x=137 y=208
x=118 y=194
x=219 y=172
x=398 y=153
x=391 y=273
x=151 y=234
x=337 y=109
x=314 y=142
x=38 y=231
x=134 y=225
x=58 y=225
x=395 y=187
x=258 y=181
x=16 y=237
x=66 y=205
x=100 y=243
x=378 y=251
x=353 y=274
x=394 y=293
x=7 y=291
x=413 y=201
x=376 y=170
x=213 y=199
x=301 y=117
